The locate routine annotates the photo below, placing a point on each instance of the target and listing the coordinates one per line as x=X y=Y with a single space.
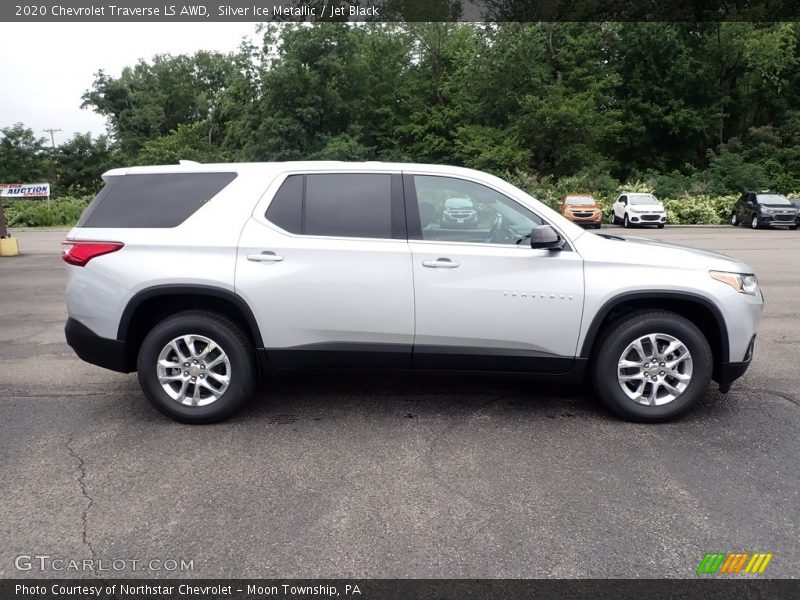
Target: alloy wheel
x=654 y=369
x=193 y=370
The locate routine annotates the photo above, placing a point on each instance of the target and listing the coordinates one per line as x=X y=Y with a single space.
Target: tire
x=613 y=346
x=661 y=225
x=754 y=223
x=625 y=223
x=599 y=225
x=734 y=220
x=233 y=354
x=612 y=218
x=793 y=227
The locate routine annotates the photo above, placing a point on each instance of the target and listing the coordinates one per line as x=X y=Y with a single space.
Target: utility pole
x=52 y=133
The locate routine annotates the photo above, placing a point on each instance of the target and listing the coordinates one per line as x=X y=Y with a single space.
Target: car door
x=325 y=265
x=619 y=207
x=484 y=301
x=742 y=210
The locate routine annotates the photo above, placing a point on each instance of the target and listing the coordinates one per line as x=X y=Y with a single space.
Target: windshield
x=772 y=199
x=580 y=200
x=458 y=203
x=642 y=199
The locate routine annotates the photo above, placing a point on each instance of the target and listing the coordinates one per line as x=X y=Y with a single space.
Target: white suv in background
x=638 y=209
x=203 y=277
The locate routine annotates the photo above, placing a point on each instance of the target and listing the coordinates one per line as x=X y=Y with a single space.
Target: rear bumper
x=100 y=351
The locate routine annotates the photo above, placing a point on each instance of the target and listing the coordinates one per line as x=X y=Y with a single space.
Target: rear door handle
x=440 y=263
x=266 y=256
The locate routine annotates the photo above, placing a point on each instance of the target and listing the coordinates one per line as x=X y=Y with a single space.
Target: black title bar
x=705 y=588
x=398 y=10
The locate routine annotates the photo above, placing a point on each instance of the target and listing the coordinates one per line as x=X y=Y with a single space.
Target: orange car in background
x=582 y=209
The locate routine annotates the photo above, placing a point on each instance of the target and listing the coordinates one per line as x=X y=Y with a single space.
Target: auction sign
x=24 y=190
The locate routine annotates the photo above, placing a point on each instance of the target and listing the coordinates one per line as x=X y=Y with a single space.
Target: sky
x=46 y=67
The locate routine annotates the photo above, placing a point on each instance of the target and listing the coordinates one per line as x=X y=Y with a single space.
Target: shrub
x=36 y=213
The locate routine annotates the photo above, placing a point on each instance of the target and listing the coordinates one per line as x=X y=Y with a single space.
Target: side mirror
x=544 y=237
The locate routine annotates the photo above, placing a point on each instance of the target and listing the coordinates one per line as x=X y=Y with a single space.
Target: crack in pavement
x=85 y=494
x=786 y=396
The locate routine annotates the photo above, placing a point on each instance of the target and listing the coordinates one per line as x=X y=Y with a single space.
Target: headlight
x=744 y=283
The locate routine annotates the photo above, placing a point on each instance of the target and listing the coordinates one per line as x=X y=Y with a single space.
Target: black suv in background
x=764 y=209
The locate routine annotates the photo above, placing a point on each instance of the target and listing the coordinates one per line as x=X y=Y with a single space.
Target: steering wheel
x=496 y=229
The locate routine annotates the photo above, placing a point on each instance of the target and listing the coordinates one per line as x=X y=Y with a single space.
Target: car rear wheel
x=197 y=367
x=652 y=366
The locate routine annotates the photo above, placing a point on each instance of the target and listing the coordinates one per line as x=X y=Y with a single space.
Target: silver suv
x=204 y=277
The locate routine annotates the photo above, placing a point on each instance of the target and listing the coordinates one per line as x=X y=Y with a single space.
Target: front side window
x=455 y=210
x=336 y=204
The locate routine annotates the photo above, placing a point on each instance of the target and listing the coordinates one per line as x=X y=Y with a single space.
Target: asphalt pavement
x=394 y=475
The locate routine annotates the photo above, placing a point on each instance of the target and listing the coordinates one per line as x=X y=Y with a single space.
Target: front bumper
x=591 y=220
x=647 y=218
x=729 y=372
x=100 y=351
x=771 y=221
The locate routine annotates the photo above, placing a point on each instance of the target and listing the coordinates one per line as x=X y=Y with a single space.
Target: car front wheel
x=197 y=367
x=625 y=223
x=734 y=220
x=754 y=222
x=652 y=366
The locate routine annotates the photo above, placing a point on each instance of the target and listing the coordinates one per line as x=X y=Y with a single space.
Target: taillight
x=80 y=253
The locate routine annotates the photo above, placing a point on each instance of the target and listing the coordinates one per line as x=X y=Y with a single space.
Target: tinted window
x=159 y=200
x=348 y=205
x=286 y=208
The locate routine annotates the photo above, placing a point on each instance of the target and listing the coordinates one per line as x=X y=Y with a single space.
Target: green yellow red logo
x=734 y=562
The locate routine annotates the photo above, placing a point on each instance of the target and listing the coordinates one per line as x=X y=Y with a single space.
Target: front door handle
x=266 y=256
x=440 y=263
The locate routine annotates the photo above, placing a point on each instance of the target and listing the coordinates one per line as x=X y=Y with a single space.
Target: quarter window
x=152 y=200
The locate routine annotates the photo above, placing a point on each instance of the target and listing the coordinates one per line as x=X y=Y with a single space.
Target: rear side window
x=286 y=208
x=339 y=204
x=157 y=200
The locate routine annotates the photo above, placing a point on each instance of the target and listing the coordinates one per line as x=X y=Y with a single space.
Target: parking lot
x=396 y=475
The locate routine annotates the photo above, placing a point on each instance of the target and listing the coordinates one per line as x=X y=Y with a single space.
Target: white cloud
x=46 y=67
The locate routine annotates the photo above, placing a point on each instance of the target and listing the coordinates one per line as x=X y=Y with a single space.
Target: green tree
x=23 y=157
x=81 y=161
